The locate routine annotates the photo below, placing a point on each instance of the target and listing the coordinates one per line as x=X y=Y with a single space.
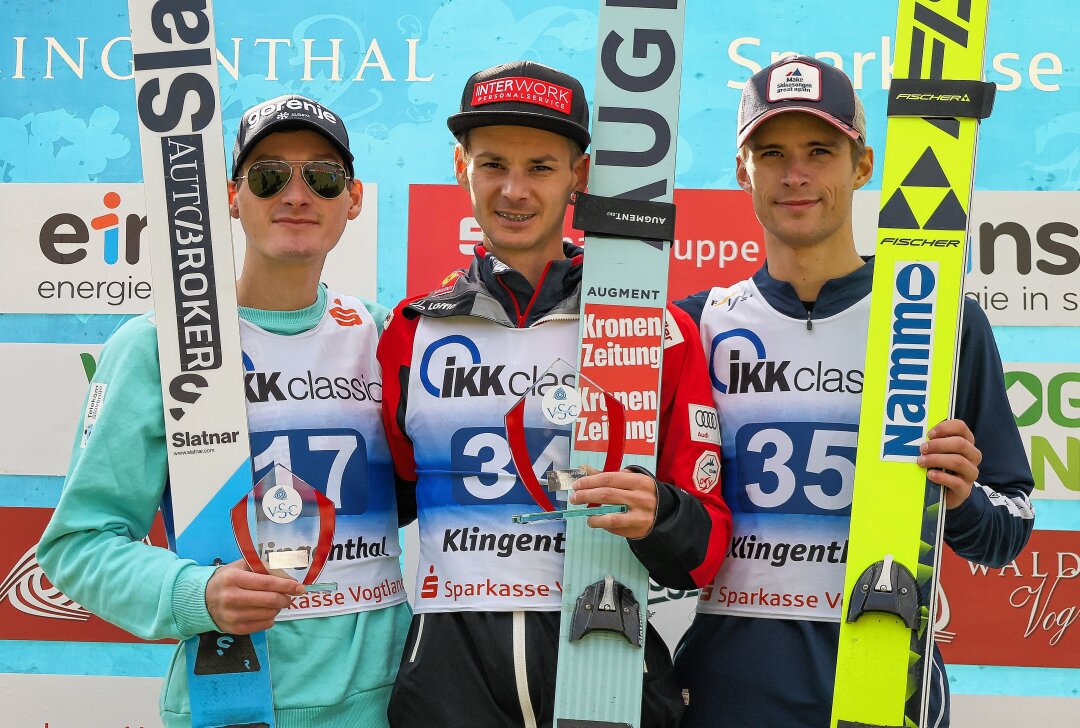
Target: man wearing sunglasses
x=313 y=391
x=483 y=646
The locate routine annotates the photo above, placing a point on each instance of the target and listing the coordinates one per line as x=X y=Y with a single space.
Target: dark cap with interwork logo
x=524 y=93
x=805 y=84
x=288 y=113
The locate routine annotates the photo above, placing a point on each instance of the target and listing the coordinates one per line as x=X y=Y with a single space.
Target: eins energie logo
x=66 y=237
x=87 y=237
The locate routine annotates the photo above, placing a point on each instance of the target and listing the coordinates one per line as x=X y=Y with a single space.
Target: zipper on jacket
x=523 y=316
x=557 y=317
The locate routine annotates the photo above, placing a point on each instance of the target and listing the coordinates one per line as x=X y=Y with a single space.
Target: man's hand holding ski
x=520 y=155
x=951 y=460
x=636 y=491
x=802 y=154
x=241 y=601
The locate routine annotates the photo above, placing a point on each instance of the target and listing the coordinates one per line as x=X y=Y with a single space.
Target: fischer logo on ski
x=897 y=515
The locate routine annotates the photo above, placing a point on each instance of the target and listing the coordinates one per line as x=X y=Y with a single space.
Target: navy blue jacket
x=742 y=671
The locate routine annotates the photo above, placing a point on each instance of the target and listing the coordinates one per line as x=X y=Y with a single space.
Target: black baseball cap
x=805 y=84
x=524 y=93
x=287 y=113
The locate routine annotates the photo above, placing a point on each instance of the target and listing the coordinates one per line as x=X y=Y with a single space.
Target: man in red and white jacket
x=484 y=640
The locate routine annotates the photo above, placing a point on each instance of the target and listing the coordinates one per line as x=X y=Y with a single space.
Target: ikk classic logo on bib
x=749 y=369
x=451 y=367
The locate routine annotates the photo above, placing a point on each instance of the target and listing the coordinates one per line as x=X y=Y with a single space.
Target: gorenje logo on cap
x=795 y=81
x=284 y=109
x=519 y=88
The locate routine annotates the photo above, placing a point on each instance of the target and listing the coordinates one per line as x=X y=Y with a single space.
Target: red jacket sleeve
x=693 y=523
x=395 y=358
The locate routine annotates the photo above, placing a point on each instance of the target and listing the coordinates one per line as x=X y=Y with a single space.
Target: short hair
x=576 y=150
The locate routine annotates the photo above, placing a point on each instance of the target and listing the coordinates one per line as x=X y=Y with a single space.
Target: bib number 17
x=330 y=460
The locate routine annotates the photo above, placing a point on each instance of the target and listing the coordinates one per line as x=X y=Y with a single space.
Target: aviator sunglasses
x=268 y=177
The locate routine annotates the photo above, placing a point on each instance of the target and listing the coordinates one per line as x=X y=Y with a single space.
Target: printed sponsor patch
x=733 y=297
x=707 y=471
x=561 y=405
x=93 y=409
x=704 y=424
x=529 y=90
x=282 y=504
x=345 y=316
x=291 y=108
x=672 y=332
x=795 y=81
x=449 y=280
x=429 y=588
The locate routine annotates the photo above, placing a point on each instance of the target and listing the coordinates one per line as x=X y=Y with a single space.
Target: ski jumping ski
x=936 y=101
x=629 y=223
x=194 y=286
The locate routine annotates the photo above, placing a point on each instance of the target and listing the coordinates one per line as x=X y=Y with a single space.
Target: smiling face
x=801 y=174
x=520 y=180
x=295 y=227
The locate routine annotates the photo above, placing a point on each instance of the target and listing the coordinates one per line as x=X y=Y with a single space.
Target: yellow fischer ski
x=935 y=103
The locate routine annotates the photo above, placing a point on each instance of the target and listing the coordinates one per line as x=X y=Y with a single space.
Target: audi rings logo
x=706 y=417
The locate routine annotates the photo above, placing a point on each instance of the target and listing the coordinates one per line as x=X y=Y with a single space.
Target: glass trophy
x=577 y=407
x=285 y=527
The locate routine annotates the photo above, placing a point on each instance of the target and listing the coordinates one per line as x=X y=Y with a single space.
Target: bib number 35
x=796 y=467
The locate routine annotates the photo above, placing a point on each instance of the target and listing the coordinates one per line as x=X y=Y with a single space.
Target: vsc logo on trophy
x=285 y=527
x=586 y=412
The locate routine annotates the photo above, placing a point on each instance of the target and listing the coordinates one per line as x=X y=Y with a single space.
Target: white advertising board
x=80 y=248
x=1024 y=254
x=42 y=387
